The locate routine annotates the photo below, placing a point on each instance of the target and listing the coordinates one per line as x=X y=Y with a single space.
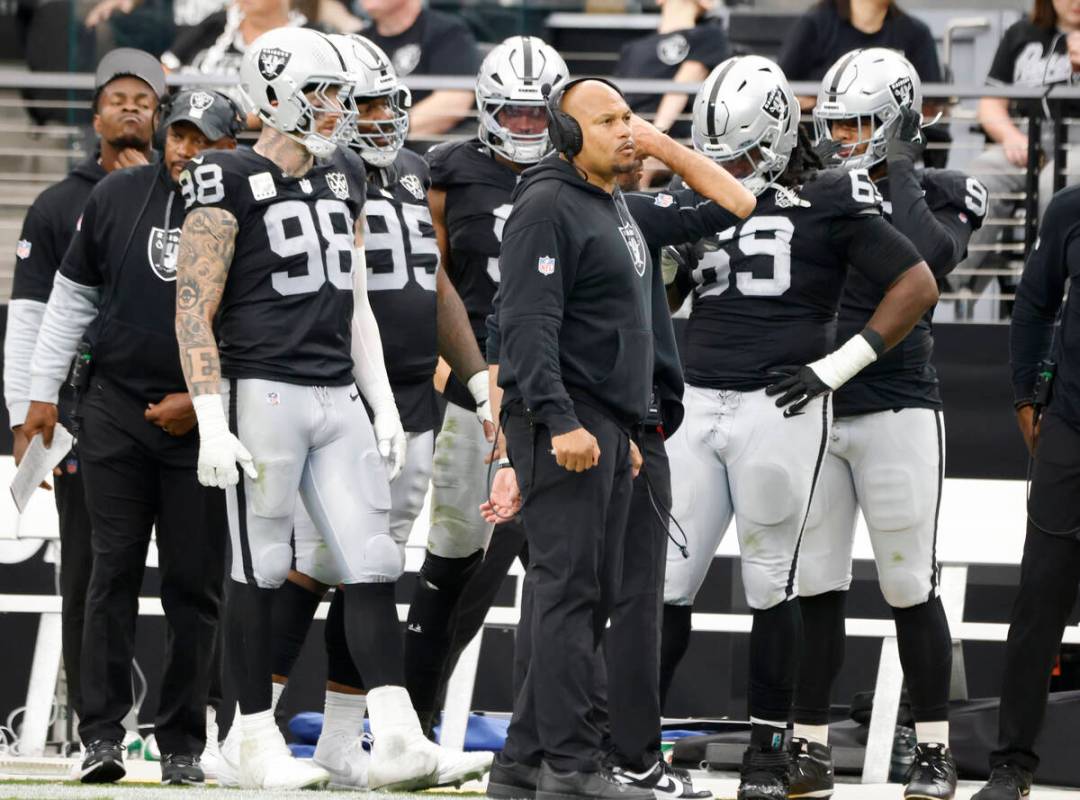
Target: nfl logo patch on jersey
x=414 y=186
x=338 y=185
x=664 y=200
x=272 y=61
x=545 y=265
x=22 y=249
x=262 y=186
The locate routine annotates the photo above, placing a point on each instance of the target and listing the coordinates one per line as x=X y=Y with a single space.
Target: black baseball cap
x=210 y=112
x=127 y=61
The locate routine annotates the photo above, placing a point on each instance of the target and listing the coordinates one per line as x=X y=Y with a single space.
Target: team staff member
x=576 y=368
x=127 y=86
x=137 y=446
x=1050 y=570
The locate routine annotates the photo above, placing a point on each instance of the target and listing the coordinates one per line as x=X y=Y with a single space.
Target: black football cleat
x=764 y=774
x=811 y=770
x=932 y=775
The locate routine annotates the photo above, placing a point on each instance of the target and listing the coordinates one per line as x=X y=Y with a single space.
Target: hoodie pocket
x=629 y=381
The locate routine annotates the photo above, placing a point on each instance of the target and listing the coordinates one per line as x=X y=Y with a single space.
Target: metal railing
x=44 y=152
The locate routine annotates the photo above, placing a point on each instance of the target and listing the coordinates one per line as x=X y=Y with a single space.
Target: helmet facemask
x=756 y=164
x=379 y=141
x=297 y=116
x=869 y=145
x=520 y=148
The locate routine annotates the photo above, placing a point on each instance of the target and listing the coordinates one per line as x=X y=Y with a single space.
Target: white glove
x=478 y=388
x=219 y=450
x=390 y=437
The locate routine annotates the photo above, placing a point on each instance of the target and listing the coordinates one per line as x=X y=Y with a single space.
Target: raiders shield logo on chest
x=635 y=246
x=161 y=250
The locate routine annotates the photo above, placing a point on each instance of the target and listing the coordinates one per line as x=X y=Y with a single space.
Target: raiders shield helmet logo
x=903 y=92
x=776 y=104
x=672 y=50
x=414 y=186
x=272 y=61
x=406 y=58
x=161 y=249
x=338 y=184
x=200 y=101
x=635 y=246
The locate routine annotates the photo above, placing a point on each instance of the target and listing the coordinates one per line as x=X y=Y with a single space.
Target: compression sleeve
x=71 y=309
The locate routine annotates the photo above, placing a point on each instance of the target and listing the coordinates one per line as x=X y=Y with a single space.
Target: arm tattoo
x=207 y=241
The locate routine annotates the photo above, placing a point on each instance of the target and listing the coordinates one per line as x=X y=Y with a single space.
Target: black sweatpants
x=1049 y=580
x=76 y=559
x=575 y=525
x=632 y=643
x=137 y=477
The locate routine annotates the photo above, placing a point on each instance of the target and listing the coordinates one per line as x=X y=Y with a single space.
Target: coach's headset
x=564 y=131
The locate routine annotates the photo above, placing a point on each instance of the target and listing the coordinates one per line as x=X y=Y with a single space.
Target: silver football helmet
x=866 y=88
x=376 y=141
x=746 y=111
x=510 y=81
x=290 y=77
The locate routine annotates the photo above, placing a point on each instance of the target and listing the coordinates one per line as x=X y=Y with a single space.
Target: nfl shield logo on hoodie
x=545 y=265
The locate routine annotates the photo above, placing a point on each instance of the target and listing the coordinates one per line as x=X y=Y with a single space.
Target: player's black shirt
x=659 y=56
x=478 y=191
x=1052 y=264
x=821 y=36
x=766 y=291
x=402 y=259
x=905 y=377
x=287 y=307
x=435 y=44
x=126 y=244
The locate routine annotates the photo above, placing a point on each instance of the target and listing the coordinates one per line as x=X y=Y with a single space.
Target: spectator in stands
x=421 y=41
x=1041 y=50
x=834 y=27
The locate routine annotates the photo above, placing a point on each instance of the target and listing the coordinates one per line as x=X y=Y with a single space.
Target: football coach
x=576 y=370
x=1043 y=355
x=116 y=289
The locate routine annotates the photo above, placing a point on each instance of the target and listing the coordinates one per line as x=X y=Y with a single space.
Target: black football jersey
x=904 y=377
x=478 y=190
x=287 y=306
x=402 y=258
x=766 y=290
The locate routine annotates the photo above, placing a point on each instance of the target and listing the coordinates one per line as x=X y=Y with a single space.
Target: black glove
x=797 y=386
x=826 y=149
x=905 y=138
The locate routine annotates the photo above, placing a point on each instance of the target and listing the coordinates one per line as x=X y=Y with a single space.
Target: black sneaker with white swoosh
x=666 y=781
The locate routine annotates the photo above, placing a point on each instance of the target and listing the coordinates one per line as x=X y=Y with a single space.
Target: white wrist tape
x=478 y=387
x=841 y=365
x=211 y=415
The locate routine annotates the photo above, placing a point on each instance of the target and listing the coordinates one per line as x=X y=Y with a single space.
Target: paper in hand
x=37 y=464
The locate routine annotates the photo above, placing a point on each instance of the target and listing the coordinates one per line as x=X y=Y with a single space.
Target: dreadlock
x=803 y=163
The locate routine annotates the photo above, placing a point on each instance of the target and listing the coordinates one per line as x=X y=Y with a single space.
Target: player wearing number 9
x=887 y=456
x=765 y=296
x=274 y=325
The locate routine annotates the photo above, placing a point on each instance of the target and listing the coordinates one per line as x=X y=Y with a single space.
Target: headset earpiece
x=563 y=130
x=164 y=109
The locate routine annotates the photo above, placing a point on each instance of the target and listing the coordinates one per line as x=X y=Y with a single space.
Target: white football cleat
x=346 y=759
x=267 y=763
x=227 y=771
x=211 y=754
x=399 y=738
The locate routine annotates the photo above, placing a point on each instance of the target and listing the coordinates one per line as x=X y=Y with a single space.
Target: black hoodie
x=47 y=230
x=576 y=305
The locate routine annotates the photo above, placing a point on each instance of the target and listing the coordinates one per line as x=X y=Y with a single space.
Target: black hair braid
x=803 y=163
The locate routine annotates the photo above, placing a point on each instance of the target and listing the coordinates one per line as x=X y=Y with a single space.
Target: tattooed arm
x=369 y=367
x=205 y=253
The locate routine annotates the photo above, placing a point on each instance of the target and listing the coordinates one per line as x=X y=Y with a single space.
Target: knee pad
x=271 y=564
x=768 y=495
x=382 y=562
x=273 y=493
x=766 y=585
x=904 y=587
x=890 y=501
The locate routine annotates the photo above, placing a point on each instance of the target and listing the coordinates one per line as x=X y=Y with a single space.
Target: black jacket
x=576 y=304
x=48 y=228
x=127 y=245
